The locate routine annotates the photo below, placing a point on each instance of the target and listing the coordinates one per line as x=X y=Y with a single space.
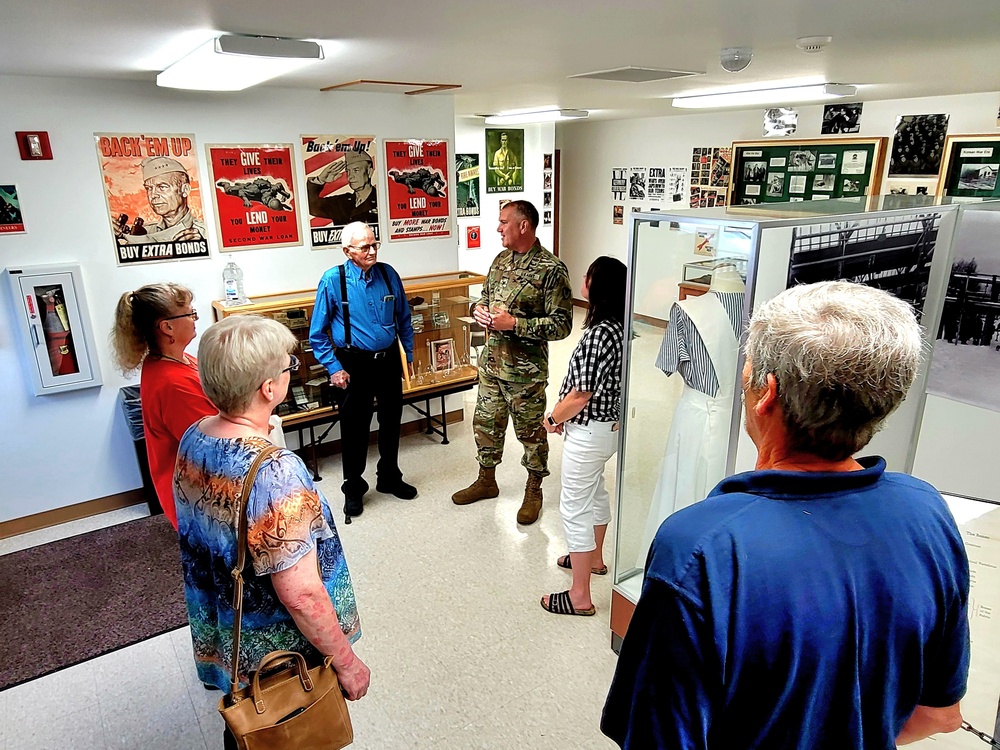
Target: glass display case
x=681 y=430
x=53 y=327
x=439 y=306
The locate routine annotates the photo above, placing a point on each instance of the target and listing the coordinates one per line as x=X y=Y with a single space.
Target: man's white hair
x=844 y=355
x=350 y=233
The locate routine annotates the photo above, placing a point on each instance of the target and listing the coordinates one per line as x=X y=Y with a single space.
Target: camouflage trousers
x=525 y=402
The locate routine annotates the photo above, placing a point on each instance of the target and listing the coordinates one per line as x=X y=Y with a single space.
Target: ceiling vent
x=632 y=74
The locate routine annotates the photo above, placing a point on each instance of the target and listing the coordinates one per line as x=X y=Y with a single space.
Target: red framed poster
x=417 y=189
x=255 y=200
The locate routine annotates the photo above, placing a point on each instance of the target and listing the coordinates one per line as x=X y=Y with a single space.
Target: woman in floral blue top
x=297 y=593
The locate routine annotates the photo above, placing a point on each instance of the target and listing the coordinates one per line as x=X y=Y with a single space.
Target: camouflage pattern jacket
x=534 y=288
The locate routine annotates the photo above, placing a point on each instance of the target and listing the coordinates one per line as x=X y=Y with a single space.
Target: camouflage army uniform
x=514 y=366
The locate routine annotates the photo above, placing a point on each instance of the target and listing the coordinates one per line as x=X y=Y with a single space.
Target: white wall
x=64 y=449
x=590 y=150
x=470 y=138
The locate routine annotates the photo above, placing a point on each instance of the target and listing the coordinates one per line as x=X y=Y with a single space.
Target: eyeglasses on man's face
x=365 y=249
x=293 y=365
x=193 y=315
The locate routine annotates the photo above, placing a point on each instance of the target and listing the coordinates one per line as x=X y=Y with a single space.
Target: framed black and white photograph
x=851 y=185
x=749 y=202
x=780 y=121
x=827 y=161
x=841 y=118
x=802 y=161
x=892 y=253
x=824 y=182
x=547 y=181
x=777 y=161
x=796 y=183
x=752 y=190
x=918 y=145
x=965 y=363
x=546 y=218
x=854 y=162
x=754 y=171
x=978 y=177
x=547 y=198
x=775 y=184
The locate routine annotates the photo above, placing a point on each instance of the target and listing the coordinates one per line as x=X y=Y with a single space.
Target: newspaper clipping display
x=11 y=221
x=656 y=187
x=153 y=193
x=340 y=184
x=467 y=184
x=619 y=183
x=255 y=201
x=417 y=189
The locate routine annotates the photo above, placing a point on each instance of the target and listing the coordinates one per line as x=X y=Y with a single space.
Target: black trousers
x=373 y=379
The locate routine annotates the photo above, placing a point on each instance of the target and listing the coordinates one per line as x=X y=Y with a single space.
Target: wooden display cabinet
x=443 y=329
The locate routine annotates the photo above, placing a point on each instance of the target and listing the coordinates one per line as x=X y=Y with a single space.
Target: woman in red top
x=153 y=326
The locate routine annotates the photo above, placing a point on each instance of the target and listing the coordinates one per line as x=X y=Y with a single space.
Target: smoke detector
x=813 y=44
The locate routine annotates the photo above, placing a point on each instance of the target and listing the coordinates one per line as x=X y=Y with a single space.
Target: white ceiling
x=519 y=54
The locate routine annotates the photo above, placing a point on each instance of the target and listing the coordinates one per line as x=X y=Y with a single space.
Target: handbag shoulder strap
x=241 y=553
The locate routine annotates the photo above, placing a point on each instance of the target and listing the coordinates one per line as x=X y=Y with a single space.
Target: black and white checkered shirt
x=596 y=367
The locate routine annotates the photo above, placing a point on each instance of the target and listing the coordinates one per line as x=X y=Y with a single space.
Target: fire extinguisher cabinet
x=53 y=327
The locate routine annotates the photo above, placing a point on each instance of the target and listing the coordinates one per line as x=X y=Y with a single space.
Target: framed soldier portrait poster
x=255 y=200
x=504 y=160
x=340 y=185
x=417 y=188
x=153 y=192
x=467 y=184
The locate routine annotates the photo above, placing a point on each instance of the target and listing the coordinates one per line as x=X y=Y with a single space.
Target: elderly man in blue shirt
x=356 y=343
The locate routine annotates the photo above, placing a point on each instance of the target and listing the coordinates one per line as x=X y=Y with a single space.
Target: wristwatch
x=551 y=421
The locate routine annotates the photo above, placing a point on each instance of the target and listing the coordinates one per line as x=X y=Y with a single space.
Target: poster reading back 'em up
x=417 y=189
x=340 y=185
x=153 y=194
x=255 y=200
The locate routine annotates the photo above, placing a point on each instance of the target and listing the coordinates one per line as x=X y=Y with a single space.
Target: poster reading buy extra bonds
x=417 y=189
x=255 y=199
x=340 y=185
x=153 y=193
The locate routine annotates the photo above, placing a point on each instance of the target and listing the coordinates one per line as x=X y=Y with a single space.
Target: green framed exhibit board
x=809 y=169
x=969 y=168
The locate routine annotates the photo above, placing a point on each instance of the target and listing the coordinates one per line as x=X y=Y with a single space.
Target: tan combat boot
x=531 y=506
x=485 y=486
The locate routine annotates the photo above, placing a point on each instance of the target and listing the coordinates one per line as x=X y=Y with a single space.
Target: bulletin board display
x=969 y=168
x=774 y=171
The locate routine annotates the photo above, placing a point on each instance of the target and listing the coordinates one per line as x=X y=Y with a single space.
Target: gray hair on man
x=352 y=232
x=843 y=355
x=236 y=356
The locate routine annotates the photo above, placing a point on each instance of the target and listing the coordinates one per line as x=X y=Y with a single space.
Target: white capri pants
x=584 y=501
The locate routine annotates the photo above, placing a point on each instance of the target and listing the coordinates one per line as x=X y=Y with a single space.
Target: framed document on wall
x=779 y=171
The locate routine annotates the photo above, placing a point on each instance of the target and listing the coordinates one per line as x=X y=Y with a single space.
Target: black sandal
x=560 y=604
x=566 y=562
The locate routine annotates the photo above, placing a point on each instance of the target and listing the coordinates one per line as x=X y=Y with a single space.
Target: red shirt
x=172 y=400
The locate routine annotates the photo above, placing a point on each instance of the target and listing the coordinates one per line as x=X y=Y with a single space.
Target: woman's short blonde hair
x=844 y=355
x=236 y=355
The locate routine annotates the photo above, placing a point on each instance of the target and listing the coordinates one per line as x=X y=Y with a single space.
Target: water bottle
x=232 y=281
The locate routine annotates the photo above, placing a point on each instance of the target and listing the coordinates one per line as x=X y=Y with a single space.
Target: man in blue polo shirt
x=818 y=601
x=356 y=343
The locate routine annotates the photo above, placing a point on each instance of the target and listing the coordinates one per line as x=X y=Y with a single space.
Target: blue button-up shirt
x=379 y=313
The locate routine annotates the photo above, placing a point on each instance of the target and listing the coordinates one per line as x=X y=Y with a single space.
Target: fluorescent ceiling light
x=233 y=63
x=541 y=115
x=782 y=95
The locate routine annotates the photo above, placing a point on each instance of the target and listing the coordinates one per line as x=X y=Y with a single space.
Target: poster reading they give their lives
x=255 y=199
x=153 y=193
x=340 y=184
x=417 y=189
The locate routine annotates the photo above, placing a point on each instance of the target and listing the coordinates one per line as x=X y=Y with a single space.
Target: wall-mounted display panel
x=53 y=328
x=970 y=166
x=811 y=169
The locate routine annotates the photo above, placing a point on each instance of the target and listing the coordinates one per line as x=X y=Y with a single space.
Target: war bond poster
x=504 y=161
x=340 y=185
x=467 y=184
x=417 y=189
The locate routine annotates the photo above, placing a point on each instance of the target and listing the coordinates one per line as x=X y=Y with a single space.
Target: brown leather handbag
x=284 y=708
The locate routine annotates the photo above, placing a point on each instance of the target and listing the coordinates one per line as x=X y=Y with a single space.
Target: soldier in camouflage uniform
x=526 y=303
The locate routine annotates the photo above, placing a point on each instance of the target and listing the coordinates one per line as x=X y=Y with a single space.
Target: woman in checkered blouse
x=587 y=417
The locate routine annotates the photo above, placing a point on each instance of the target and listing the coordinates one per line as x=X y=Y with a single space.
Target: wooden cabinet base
x=621 y=616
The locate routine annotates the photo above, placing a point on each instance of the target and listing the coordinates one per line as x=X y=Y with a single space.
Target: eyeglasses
x=193 y=315
x=293 y=365
x=365 y=249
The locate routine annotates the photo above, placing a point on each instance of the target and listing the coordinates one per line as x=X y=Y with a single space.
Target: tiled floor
x=461 y=654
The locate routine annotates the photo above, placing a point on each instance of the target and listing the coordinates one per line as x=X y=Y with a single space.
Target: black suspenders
x=346 y=307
